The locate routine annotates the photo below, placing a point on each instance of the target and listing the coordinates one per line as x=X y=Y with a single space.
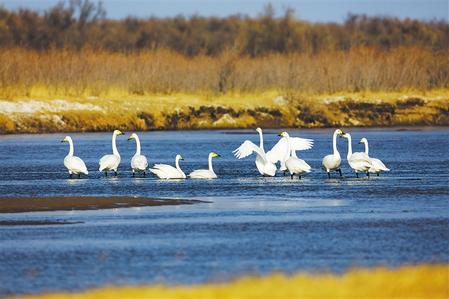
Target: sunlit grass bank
x=42 y=112
x=425 y=281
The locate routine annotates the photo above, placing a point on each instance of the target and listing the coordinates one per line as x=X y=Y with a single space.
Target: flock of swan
x=283 y=152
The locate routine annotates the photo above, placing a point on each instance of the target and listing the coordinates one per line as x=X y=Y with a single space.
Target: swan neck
x=70 y=148
x=177 y=163
x=291 y=151
x=210 y=164
x=114 y=146
x=334 y=144
x=366 y=147
x=261 y=140
x=349 y=146
x=137 y=146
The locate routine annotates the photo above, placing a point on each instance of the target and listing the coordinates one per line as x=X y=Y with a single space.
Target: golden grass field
x=423 y=281
x=39 y=112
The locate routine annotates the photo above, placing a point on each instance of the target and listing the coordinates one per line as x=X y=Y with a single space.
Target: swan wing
x=202 y=174
x=279 y=152
x=76 y=165
x=109 y=162
x=295 y=165
x=139 y=162
x=165 y=171
x=378 y=165
x=247 y=148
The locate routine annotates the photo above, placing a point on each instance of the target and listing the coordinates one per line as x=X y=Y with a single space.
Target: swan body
x=205 y=173
x=377 y=165
x=264 y=166
x=359 y=161
x=164 y=171
x=293 y=164
x=73 y=163
x=111 y=162
x=139 y=163
x=332 y=162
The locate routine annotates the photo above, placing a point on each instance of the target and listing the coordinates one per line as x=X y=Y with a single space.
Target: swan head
x=118 y=132
x=214 y=155
x=346 y=135
x=132 y=136
x=66 y=139
x=179 y=157
x=339 y=132
x=259 y=130
x=283 y=134
x=363 y=140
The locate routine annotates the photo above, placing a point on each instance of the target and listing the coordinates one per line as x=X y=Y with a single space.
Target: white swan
x=332 y=162
x=139 y=163
x=111 y=162
x=266 y=162
x=73 y=163
x=164 y=171
x=358 y=161
x=264 y=166
x=378 y=165
x=293 y=164
x=205 y=173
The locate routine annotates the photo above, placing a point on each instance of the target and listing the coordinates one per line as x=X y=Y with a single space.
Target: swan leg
x=299 y=176
x=328 y=175
x=115 y=172
x=133 y=173
x=378 y=174
x=339 y=170
x=70 y=175
x=356 y=174
x=367 y=173
x=144 y=173
x=79 y=175
x=285 y=172
x=291 y=176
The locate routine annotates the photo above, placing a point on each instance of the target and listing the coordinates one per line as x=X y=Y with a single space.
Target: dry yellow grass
x=425 y=281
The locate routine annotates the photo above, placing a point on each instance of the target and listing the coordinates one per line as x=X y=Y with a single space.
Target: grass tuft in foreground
x=425 y=281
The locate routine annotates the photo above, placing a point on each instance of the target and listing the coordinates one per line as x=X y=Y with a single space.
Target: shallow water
x=250 y=224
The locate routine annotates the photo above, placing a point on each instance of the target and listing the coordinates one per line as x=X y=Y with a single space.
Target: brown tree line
x=79 y=24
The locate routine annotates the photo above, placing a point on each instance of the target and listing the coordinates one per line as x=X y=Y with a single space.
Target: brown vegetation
x=233 y=72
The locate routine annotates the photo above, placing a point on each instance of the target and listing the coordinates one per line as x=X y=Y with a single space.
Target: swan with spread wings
x=266 y=161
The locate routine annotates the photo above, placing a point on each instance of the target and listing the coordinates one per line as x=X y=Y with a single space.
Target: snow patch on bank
x=33 y=106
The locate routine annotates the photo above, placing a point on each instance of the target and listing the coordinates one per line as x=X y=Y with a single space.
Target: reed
x=424 y=281
x=64 y=73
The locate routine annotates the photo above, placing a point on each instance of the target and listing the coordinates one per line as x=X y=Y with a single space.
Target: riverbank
x=41 y=113
x=45 y=204
x=424 y=281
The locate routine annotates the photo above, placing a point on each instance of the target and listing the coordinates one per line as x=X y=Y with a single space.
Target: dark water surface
x=251 y=225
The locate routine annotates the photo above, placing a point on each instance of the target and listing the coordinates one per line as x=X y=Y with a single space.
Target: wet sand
x=36 y=204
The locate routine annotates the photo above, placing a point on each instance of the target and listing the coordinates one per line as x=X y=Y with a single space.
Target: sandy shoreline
x=40 y=204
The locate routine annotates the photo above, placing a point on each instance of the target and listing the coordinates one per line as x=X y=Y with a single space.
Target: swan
x=332 y=162
x=264 y=166
x=266 y=162
x=293 y=164
x=358 y=161
x=139 y=163
x=73 y=163
x=111 y=162
x=205 y=173
x=164 y=171
x=378 y=165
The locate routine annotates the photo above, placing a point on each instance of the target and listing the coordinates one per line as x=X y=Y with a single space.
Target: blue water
x=249 y=225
